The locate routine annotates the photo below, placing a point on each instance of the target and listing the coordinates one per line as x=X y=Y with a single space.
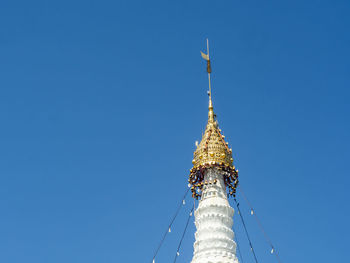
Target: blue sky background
x=101 y=103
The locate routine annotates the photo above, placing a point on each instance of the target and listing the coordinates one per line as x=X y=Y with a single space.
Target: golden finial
x=213 y=150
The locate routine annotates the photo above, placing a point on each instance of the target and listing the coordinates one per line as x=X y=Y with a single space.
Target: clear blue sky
x=101 y=103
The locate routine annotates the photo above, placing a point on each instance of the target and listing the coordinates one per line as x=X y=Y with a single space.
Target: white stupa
x=213 y=178
x=214 y=219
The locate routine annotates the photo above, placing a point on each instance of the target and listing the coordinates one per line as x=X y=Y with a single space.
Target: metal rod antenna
x=208 y=69
x=208 y=46
x=206 y=57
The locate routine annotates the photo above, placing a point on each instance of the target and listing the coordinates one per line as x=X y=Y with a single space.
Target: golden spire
x=213 y=150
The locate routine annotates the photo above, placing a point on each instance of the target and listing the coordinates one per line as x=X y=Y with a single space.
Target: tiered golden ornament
x=212 y=151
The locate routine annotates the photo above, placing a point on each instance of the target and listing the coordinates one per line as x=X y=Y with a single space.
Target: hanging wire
x=245 y=228
x=183 y=235
x=169 y=226
x=268 y=240
x=239 y=250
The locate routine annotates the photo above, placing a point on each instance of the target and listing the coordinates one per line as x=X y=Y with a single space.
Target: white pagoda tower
x=213 y=178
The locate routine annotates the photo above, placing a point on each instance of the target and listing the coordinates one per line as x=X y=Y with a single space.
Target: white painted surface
x=214 y=219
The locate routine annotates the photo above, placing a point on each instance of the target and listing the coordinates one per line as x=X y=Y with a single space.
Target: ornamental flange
x=197 y=182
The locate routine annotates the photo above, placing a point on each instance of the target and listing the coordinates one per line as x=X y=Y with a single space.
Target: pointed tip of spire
x=211 y=111
x=210 y=101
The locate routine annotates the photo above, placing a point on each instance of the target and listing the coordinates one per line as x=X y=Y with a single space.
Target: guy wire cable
x=169 y=227
x=183 y=235
x=268 y=240
x=245 y=228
